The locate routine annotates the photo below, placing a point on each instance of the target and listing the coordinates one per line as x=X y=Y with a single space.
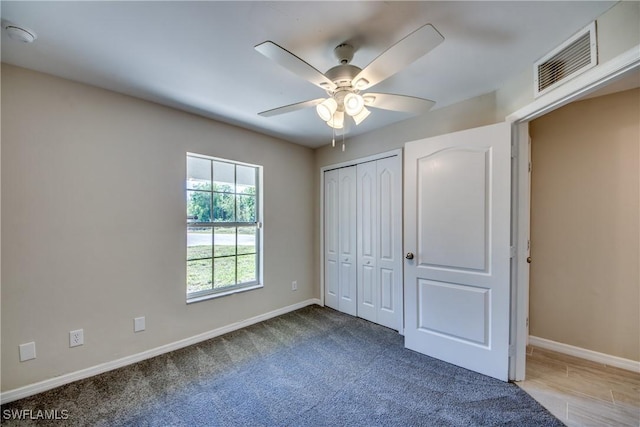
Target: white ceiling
x=199 y=56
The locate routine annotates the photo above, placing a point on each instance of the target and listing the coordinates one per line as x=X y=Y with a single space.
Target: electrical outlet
x=138 y=324
x=76 y=338
x=294 y=285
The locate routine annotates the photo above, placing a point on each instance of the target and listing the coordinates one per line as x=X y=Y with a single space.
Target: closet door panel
x=368 y=295
x=347 y=248
x=389 y=242
x=331 y=242
x=387 y=286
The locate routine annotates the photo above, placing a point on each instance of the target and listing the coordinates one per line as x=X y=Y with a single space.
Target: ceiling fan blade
x=398 y=56
x=294 y=64
x=291 y=108
x=388 y=101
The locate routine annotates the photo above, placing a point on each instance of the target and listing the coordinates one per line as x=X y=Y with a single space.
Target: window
x=223 y=227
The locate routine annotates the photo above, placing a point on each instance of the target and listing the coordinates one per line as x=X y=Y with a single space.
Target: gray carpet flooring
x=311 y=367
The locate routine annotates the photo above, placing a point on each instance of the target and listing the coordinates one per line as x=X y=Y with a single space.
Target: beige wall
x=93 y=224
x=585 y=213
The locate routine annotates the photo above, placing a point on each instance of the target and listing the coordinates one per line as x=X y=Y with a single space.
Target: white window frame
x=238 y=287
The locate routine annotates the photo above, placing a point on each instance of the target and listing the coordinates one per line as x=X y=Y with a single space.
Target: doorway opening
x=597 y=79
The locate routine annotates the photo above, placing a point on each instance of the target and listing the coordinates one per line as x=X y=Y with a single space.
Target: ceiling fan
x=345 y=82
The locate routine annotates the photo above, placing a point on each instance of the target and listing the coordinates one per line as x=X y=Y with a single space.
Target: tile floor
x=580 y=392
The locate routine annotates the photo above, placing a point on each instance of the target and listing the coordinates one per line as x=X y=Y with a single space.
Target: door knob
x=529 y=259
x=409 y=255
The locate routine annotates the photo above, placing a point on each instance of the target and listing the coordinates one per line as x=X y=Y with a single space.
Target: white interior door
x=457 y=226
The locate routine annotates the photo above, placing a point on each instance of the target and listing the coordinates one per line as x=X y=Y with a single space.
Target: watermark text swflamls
x=35 y=414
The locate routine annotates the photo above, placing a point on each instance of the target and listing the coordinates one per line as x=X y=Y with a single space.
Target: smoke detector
x=18 y=33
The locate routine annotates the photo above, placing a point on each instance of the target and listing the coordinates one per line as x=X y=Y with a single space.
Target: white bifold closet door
x=363 y=240
x=379 y=216
x=340 y=239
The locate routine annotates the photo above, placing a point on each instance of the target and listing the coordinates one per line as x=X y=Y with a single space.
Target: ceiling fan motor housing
x=342 y=75
x=344 y=53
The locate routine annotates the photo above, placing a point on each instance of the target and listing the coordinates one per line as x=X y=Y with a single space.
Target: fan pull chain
x=333 y=140
x=343 y=141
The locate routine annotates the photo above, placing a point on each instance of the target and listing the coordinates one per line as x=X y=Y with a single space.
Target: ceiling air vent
x=571 y=58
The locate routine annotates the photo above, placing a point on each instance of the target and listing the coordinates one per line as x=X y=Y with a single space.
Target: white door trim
x=582 y=85
x=396 y=152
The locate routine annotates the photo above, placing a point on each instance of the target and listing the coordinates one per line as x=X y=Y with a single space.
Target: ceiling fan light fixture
x=353 y=104
x=337 y=120
x=326 y=109
x=345 y=84
x=363 y=114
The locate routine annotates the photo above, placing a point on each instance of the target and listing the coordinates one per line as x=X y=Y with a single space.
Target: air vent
x=571 y=58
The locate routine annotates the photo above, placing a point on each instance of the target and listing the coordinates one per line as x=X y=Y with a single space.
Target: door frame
x=580 y=86
x=397 y=152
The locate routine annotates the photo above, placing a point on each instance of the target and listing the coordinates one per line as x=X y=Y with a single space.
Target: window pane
x=224 y=272
x=221 y=258
x=224 y=207
x=198 y=174
x=225 y=241
x=199 y=275
x=246 y=268
x=224 y=177
x=199 y=243
x=245 y=179
x=246 y=208
x=247 y=240
x=198 y=206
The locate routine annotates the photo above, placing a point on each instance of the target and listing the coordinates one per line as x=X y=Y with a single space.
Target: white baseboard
x=583 y=353
x=39 y=387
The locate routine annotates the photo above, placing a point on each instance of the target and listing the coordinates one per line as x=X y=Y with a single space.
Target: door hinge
x=512 y=252
x=512 y=350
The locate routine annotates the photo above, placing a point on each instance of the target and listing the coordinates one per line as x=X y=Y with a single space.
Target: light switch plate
x=27 y=351
x=138 y=324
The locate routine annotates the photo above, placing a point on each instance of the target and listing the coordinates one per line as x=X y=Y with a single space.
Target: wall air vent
x=571 y=58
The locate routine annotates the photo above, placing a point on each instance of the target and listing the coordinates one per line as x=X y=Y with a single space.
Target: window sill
x=223 y=294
